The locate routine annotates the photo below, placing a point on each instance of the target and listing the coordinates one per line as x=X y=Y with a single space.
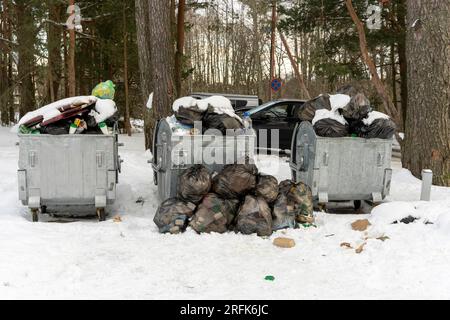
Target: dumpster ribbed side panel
x=67 y=170
x=173 y=154
x=341 y=168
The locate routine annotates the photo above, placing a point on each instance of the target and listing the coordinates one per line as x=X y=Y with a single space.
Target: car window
x=296 y=109
x=277 y=111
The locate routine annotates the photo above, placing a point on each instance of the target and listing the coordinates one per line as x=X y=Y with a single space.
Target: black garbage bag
x=308 y=111
x=194 y=183
x=92 y=125
x=214 y=214
x=189 y=115
x=254 y=216
x=235 y=181
x=356 y=127
x=379 y=129
x=58 y=128
x=267 y=188
x=173 y=216
x=331 y=128
x=90 y=121
x=113 y=120
x=298 y=198
x=221 y=122
x=284 y=214
x=358 y=108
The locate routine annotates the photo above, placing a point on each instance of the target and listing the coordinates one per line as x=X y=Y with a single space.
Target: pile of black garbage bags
x=214 y=113
x=355 y=118
x=236 y=199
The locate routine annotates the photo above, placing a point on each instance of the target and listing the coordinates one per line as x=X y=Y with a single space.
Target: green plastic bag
x=105 y=90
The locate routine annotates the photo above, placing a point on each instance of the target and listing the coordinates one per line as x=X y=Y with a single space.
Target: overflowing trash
x=95 y=114
x=236 y=199
x=308 y=111
x=173 y=216
x=105 y=90
x=254 y=216
x=329 y=123
x=221 y=122
x=347 y=113
x=235 y=181
x=267 y=188
x=194 y=184
x=214 y=214
x=293 y=206
x=216 y=114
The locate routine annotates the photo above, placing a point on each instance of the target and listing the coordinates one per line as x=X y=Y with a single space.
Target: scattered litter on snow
x=284 y=243
x=327 y=114
x=360 y=225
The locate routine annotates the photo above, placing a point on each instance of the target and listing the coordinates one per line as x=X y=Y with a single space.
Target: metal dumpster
x=68 y=171
x=172 y=154
x=341 y=169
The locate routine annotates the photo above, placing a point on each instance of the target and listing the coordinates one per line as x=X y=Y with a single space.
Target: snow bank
x=48 y=110
x=426 y=212
x=375 y=115
x=339 y=101
x=443 y=223
x=327 y=114
x=104 y=109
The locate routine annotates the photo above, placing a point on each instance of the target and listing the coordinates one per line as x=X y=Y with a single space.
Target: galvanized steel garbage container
x=341 y=169
x=68 y=171
x=172 y=154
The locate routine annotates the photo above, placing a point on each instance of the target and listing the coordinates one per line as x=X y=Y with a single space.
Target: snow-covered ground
x=81 y=259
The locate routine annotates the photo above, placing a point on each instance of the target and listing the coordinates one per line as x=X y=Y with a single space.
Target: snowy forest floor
x=79 y=259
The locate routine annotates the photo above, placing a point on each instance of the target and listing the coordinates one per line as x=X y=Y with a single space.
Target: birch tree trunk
x=427 y=144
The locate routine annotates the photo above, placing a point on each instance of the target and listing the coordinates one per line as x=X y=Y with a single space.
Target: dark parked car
x=276 y=115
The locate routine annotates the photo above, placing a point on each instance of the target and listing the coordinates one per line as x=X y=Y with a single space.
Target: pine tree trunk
x=162 y=59
x=54 y=35
x=427 y=134
x=26 y=36
x=180 y=47
x=4 y=118
x=125 y=72
x=401 y=16
x=145 y=70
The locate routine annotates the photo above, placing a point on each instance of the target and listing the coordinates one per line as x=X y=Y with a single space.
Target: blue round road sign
x=276 y=85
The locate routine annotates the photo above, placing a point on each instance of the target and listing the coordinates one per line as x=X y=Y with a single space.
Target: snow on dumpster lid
x=49 y=109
